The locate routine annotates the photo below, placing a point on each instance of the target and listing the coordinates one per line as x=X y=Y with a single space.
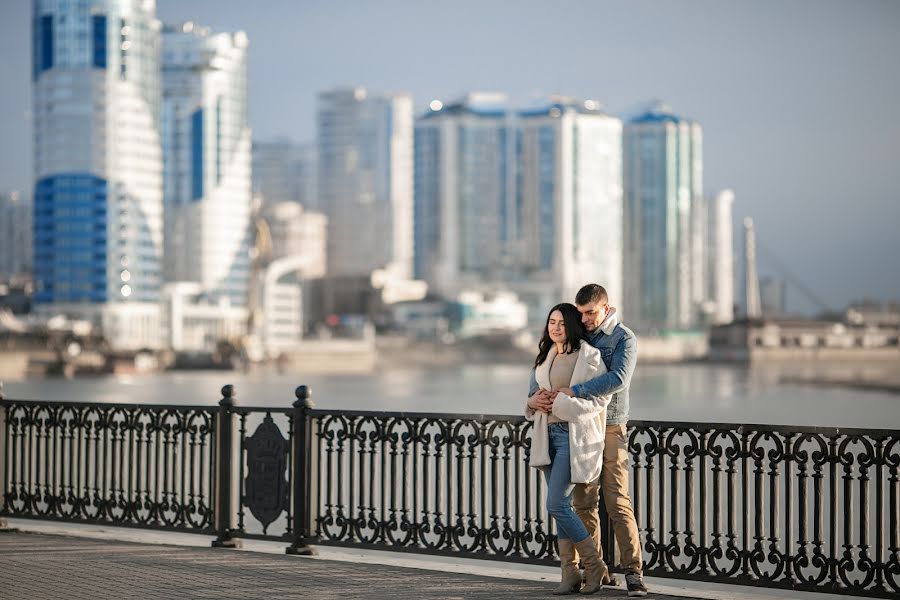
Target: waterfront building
x=463 y=201
x=98 y=222
x=663 y=175
x=808 y=340
x=365 y=181
x=568 y=203
x=206 y=142
x=873 y=313
x=472 y=314
x=284 y=171
x=468 y=314
x=15 y=236
x=195 y=322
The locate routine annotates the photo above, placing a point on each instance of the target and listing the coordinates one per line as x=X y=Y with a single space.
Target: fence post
x=225 y=469
x=300 y=476
x=607 y=535
x=3 y=523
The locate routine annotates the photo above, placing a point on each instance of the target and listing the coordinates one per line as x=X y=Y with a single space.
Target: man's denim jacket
x=618 y=348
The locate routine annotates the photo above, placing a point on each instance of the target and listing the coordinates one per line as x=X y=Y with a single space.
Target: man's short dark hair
x=592 y=292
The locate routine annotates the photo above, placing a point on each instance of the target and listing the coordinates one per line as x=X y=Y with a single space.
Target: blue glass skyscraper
x=663 y=176
x=98 y=165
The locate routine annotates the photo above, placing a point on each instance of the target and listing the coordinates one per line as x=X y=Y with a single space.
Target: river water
x=683 y=392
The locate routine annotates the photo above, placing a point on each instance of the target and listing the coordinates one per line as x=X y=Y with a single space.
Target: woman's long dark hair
x=575 y=332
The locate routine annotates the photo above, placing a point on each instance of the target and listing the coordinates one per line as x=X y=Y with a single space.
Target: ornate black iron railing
x=805 y=508
x=125 y=465
x=442 y=484
x=788 y=507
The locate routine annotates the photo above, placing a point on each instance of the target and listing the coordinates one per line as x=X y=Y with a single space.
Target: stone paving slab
x=38 y=566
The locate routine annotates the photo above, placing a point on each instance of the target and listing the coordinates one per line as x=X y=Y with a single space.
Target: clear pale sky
x=799 y=100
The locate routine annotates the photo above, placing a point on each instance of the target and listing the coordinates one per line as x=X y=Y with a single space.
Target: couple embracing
x=578 y=400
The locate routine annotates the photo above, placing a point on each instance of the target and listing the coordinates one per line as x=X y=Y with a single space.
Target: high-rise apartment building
x=284 y=171
x=15 y=235
x=463 y=205
x=568 y=202
x=365 y=188
x=207 y=158
x=752 y=302
x=663 y=175
x=98 y=223
x=720 y=256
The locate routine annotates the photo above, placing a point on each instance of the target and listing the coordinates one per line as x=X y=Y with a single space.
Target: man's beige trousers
x=614 y=483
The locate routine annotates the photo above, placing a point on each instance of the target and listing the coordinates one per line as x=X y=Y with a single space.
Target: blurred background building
x=290 y=286
x=663 y=173
x=289 y=295
x=285 y=171
x=365 y=187
x=752 y=302
x=197 y=323
x=206 y=150
x=298 y=232
x=527 y=201
x=568 y=202
x=15 y=236
x=206 y=158
x=98 y=210
x=464 y=210
x=719 y=239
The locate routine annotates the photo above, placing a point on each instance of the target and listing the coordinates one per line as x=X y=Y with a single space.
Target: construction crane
x=260 y=258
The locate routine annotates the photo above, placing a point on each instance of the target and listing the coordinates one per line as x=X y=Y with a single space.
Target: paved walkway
x=56 y=566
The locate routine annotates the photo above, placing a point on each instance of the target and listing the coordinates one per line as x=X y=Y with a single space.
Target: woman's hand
x=542 y=400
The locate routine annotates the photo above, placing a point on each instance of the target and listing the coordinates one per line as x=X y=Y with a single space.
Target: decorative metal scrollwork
x=110 y=463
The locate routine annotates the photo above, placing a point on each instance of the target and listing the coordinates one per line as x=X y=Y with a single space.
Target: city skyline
x=799 y=121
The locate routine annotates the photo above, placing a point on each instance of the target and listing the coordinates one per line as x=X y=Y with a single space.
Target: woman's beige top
x=561 y=370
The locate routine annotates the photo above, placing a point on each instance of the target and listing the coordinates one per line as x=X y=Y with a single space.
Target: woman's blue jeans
x=560 y=486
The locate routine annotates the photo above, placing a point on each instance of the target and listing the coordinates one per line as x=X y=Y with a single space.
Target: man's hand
x=541 y=401
x=565 y=390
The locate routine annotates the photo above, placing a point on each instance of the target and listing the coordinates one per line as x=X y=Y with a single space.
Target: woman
x=568 y=438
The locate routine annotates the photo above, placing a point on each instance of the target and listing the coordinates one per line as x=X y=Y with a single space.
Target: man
x=618 y=348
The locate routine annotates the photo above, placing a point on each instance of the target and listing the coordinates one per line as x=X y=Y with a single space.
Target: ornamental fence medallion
x=266 y=483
